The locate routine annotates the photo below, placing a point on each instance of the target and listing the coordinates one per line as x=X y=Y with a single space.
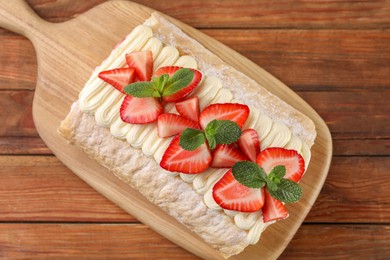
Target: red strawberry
x=249 y=144
x=230 y=194
x=273 y=209
x=172 y=124
x=142 y=62
x=176 y=159
x=118 y=78
x=170 y=70
x=291 y=159
x=227 y=111
x=140 y=110
x=189 y=108
x=225 y=156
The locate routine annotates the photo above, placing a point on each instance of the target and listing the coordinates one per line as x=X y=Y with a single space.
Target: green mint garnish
x=224 y=131
x=211 y=141
x=287 y=191
x=142 y=90
x=191 y=139
x=182 y=78
x=216 y=132
x=249 y=174
x=162 y=85
x=277 y=173
x=253 y=176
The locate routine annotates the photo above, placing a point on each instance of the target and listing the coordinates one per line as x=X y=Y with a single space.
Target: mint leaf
x=181 y=79
x=287 y=191
x=224 y=131
x=211 y=141
x=227 y=132
x=142 y=90
x=160 y=82
x=248 y=174
x=277 y=173
x=191 y=139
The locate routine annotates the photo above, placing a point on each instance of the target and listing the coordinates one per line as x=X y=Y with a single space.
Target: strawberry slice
x=291 y=159
x=273 y=209
x=140 y=110
x=189 y=108
x=225 y=156
x=172 y=124
x=227 y=111
x=170 y=70
x=181 y=94
x=118 y=78
x=249 y=144
x=142 y=62
x=230 y=194
x=176 y=159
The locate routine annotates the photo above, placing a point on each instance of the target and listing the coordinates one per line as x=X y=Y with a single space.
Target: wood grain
x=352 y=34
x=41 y=188
x=94 y=241
x=307 y=60
x=246 y=14
x=60 y=55
x=132 y=241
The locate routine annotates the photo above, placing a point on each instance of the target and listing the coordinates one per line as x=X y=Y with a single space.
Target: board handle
x=19 y=17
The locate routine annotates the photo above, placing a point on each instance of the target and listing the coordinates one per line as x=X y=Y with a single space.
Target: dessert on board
x=198 y=138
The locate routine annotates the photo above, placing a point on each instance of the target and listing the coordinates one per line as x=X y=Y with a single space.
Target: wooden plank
x=349 y=115
x=18 y=66
x=40 y=188
x=352 y=115
x=340 y=242
x=325 y=60
x=356 y=191
x=92 y=241
x=306 y=60
x=251 y=14
x=16 y=113
x=134 y=241
x=362 y=147
x=23 y=145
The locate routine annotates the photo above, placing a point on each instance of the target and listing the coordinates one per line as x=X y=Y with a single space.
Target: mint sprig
x=216 y=132
x=191 y=139
x=162 y=85
x=179 y=80
x=253 y=176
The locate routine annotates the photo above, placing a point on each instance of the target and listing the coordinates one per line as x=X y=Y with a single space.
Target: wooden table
x=335 y=54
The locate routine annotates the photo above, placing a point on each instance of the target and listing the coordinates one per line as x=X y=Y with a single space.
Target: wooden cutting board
x=67 y=53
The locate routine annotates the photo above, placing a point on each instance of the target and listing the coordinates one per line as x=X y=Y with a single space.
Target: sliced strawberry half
x=181 y=94
x=142 y=62
x=226 y=111
x=291 y=159
x=230 y=194
x=273 y=209
x=189 y=108
x=172 y=124
x=170 y=70
x=176 y=159
x=249 y=144
x=140 y=110
x=225 y=156
x=118 y=78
